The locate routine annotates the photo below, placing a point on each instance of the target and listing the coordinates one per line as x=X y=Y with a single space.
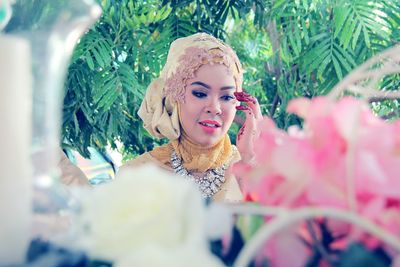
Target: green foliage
x=288 y=49
x=318 y=42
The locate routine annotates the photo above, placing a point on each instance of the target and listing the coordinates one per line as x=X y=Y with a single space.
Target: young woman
x=193 y=104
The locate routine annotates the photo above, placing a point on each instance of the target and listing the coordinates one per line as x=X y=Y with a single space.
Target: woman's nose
x=213 y=107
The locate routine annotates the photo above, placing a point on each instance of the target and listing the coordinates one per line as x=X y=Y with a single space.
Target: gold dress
x=197 y=160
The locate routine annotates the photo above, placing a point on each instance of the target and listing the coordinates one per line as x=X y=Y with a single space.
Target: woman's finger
x=244 y=97
x=250 y=116
x=251 y=101
x=246 y=135
x=255 y=107
x=250 y=122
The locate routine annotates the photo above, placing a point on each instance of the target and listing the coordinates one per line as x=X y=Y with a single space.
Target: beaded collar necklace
x=209 y=184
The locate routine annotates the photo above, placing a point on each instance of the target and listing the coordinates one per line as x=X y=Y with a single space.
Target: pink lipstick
x=209 y=126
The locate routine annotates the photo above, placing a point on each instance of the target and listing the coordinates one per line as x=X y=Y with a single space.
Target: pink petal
x=299 y=106
x=286 y=249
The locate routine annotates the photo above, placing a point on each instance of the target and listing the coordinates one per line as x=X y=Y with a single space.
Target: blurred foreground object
x=50 y=42
x=340 y=172
x=146 y=217
x=15 y=137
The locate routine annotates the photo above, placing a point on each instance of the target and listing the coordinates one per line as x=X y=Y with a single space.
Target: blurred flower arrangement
x=146 y=217
x=337 y=178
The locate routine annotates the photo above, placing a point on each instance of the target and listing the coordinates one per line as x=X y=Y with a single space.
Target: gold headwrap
x=159 y=110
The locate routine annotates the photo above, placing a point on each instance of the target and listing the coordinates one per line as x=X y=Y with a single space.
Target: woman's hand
x=249 y=131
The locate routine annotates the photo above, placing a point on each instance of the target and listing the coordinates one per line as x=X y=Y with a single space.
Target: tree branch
x=277 y=67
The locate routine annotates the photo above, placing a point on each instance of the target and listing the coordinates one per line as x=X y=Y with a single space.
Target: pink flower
x=286 y=249
x=341 y=143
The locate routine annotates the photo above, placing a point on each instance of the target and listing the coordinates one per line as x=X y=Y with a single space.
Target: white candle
x=15 y=136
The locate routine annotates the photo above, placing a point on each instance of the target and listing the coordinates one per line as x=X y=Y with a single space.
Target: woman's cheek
x=230 y=110
x=231 y=105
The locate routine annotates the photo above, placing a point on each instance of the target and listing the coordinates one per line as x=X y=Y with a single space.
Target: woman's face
x=209 y=106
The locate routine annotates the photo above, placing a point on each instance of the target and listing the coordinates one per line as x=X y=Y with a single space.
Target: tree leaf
x=366 y=37
x=318 y=59
x=337 y=67
x=342 y=60
x=356 y=35
x=348 y=32
x=89 y=61
x=322 y=66
x=341 y=14
x=278 y=4
x=293 y=44
x=305 y=32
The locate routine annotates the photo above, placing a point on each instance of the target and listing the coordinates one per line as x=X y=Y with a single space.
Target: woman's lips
x=209 y=127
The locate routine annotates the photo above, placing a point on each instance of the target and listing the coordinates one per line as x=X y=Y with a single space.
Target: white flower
x=219 y=221
x=144 y=210
x=169 y=257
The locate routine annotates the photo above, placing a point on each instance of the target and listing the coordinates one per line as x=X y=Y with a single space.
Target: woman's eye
x=199 y=94
x=227 y=97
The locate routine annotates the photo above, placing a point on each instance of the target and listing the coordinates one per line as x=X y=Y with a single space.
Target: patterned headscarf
x=159 y=109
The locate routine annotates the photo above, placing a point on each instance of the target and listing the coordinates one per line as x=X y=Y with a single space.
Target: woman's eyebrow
x=229 y=87
x=201 y=84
